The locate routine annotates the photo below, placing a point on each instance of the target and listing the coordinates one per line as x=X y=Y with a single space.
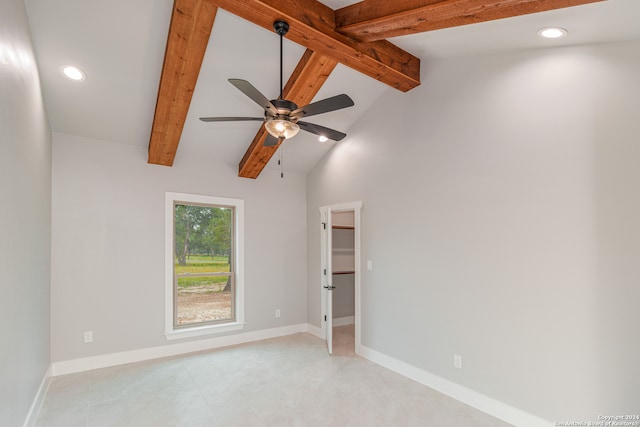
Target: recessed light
x=552 y=33
x=73 y=73
x=323 y=138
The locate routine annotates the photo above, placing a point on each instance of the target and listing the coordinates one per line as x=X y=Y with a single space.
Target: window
x=204 y=265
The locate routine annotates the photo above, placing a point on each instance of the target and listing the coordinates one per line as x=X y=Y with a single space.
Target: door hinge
x=325 y=317
x=325 y=271
x=324 y=225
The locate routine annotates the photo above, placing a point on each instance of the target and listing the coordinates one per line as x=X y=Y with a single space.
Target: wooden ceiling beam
x=353 y=36
x=312 y=25
x=308 y=77
x=191 y=23
x=372 y=20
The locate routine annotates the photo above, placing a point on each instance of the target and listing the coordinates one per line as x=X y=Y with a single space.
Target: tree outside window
x=204 y=276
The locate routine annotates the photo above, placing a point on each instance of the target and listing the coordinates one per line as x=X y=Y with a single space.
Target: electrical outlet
x=457 y=361
x=88 y=336
x=277 y=312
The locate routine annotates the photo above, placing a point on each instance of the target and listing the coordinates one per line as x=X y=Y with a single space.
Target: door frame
x=356 y=207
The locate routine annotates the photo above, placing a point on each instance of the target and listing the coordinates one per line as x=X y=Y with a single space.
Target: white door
x=327 y=278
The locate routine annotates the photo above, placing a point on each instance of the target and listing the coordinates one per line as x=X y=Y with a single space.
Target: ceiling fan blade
x=232 y=119
x=253 y=93
x=323 y=106
x=272 y=141
x=322 y=131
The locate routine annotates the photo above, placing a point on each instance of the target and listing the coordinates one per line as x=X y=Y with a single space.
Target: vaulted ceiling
x=188 y=49
x=354 y=36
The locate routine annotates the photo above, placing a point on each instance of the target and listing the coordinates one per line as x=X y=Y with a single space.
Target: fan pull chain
x=281 y=162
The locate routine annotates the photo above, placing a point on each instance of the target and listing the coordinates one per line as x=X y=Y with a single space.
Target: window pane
x=204 y=299
x=203 y=267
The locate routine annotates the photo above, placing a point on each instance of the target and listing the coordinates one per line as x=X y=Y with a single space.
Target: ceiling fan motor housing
x=284 y=108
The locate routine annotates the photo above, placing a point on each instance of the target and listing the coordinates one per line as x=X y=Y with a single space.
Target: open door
x=326 y=268
x=326 y=279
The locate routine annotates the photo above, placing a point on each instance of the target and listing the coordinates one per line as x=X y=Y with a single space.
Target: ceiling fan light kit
x=282 y=117
x=281 y=128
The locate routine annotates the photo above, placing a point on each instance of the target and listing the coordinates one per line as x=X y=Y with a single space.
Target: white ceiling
x=120 y=45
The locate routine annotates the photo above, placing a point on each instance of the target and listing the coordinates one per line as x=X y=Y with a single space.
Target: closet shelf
x=344 y=272
x=343 y=227
x=343 y=250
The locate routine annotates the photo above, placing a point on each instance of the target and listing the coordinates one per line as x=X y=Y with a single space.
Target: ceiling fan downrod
x=281 y=28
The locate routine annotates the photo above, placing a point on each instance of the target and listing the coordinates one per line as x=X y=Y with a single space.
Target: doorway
x=340 y=277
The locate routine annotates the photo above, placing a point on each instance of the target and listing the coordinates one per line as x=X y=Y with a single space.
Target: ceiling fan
x=282 y=117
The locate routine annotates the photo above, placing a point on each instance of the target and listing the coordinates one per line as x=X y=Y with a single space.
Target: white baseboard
x=314 y=330
x=34 y=410
x=465 y=395
x=340 y=321
x=343 y=321
x=114 y=359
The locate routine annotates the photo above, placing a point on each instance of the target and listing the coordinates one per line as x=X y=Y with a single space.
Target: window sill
x=197 y=331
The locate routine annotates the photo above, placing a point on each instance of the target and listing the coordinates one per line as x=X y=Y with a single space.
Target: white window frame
x=238 y=323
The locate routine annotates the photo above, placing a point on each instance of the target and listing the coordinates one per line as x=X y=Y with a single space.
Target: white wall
x=500 y=210
x=25 y=230
x=108 y=243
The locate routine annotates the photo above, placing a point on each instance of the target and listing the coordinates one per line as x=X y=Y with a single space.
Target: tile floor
x=287 y=381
